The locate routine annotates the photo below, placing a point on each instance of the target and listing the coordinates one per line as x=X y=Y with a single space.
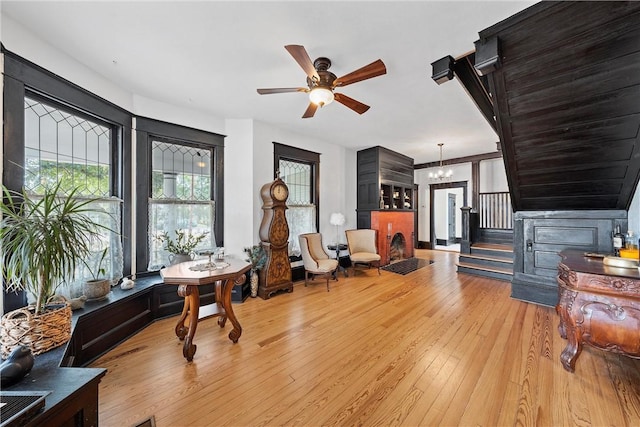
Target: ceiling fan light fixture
x=321 y=96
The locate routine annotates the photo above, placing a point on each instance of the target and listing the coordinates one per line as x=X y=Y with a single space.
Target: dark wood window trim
x=24 y=77
x=287 y=152
x=148 y=130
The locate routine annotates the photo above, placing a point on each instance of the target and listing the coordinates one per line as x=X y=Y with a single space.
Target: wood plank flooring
x=429 y=348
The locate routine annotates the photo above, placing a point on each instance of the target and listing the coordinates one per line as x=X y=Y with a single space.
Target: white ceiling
x=213 y=55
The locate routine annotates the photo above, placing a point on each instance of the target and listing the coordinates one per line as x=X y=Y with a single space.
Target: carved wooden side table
x=189 y=276
x=599 y=305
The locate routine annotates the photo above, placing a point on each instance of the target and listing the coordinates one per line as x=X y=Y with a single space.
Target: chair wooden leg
x=306 y=277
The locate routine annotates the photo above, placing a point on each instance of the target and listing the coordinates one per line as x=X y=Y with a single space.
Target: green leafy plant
x=184 y=243
x=94 y=265
x=257 y=257
x=43 y=238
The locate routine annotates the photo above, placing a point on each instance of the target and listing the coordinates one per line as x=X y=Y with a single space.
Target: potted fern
x=42 y=240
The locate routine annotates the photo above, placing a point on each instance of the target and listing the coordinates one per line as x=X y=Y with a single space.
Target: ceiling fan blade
x=311 y=110
x=375 y=69
x=356 y=106
x=301 y=56
x=282 y=90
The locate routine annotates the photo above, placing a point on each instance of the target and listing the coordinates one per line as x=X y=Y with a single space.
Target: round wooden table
x=189 y=276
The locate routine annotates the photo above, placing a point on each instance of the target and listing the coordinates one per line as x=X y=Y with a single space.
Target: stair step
x=488 y=258
x=497 y=273
x=486 y=268
x=493 y=246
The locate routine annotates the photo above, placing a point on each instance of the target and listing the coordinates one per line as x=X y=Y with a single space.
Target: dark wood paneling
x=539 y=237
x=565 y=94
x=377 y=166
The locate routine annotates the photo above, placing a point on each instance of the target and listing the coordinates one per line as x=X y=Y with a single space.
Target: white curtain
x=301 y=219
x=113 y=263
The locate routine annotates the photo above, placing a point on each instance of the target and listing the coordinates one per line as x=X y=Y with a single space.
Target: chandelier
x=441 y=174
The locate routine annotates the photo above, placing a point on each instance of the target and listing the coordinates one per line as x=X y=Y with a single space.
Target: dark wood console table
x=74 y=394
x=189 y=281
x=599 y=305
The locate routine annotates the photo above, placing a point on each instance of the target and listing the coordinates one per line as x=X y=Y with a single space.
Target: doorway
x=451 y=218
x=444 y=221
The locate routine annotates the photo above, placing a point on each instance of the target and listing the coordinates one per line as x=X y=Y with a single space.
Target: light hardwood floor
x=429 y=348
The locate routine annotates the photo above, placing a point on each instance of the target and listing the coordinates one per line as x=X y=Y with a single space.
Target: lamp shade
x=336 y=219
x=321 y=96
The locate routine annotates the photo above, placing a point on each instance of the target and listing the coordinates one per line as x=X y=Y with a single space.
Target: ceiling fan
x=321 y=82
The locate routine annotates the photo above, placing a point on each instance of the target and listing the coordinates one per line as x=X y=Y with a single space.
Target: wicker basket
x=40 y=333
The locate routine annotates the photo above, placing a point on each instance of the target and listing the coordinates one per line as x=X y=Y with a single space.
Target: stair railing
x=494 y=211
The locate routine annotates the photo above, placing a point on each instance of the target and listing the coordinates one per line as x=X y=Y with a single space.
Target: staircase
x=492 y=257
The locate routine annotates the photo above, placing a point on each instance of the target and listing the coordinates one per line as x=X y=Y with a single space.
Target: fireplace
x=397 y=247
x=395 y=234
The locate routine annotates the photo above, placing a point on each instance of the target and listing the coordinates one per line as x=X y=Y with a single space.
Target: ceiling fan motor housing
x=327 y=78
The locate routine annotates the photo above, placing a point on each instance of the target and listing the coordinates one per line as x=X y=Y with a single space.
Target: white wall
x=248 y=144
x=634 y=213
x=493 y=176
x=337 y=174
x=17 y=39
x=240 y=196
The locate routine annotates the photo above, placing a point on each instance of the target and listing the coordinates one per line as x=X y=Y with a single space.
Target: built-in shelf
x=385 y=182
x=395 y=197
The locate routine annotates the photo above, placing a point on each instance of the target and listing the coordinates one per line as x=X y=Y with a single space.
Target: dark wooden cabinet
x=72 y=398
x=99 y=330
x=101 y=325
x=540 y=236
x=385 y=182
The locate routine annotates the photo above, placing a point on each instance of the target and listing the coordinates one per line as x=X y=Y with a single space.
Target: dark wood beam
x=476 y=87
x=467 y=159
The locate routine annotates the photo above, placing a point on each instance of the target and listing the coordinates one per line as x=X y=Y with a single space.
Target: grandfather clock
x=274 y=236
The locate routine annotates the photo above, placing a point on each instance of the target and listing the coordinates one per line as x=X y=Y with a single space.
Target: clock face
x=280 y=192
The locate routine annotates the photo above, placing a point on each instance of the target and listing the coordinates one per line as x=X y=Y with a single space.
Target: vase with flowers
x=182 y=248
x=257 y=257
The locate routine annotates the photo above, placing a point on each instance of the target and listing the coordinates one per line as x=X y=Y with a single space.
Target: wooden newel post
x=465 y=243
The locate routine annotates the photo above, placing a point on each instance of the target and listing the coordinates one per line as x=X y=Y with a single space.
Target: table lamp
x=337 y=219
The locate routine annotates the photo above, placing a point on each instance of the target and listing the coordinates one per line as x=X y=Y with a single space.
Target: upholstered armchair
x=362 y=247
x=315 y=259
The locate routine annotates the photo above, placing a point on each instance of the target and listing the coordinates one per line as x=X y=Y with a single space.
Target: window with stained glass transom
x=301 y=215
x=61 y=145
x=180 y=197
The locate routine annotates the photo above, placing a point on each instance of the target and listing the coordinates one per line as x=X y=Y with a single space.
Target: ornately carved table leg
x=567 y=328
x=573 y=349
x=181 y=329
x=191 y=296
x=235 y=333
